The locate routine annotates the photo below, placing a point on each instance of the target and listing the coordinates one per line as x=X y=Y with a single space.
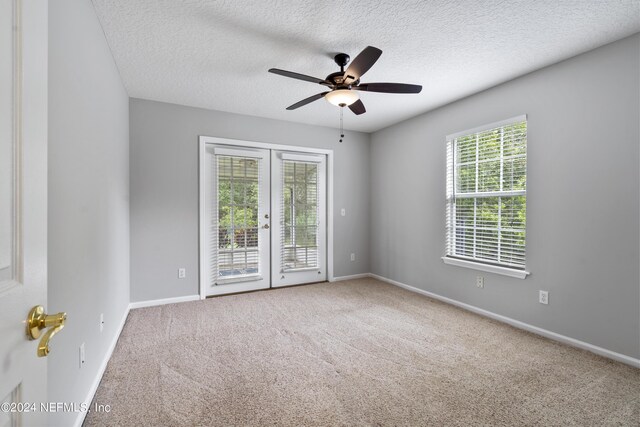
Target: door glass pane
x=299 y=215
x=238 y=198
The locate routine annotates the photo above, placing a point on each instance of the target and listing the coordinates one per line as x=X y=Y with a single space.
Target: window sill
x=505 y=271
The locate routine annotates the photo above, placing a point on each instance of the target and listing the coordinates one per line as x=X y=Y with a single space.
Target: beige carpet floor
x=360 y=352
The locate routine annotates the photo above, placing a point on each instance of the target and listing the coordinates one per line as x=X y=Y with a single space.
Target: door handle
x=39 y=320
x=266 y=226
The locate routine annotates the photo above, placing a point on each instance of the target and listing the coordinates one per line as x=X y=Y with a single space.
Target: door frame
x=203 y=142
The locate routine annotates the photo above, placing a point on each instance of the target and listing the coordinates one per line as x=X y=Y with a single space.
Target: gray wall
x=164 y=190
x=88 y=198
x=582 y=207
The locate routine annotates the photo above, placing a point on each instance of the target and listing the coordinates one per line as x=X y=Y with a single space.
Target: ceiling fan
x=344 y=84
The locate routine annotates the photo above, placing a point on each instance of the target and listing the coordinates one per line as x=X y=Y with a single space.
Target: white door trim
x=204 y=141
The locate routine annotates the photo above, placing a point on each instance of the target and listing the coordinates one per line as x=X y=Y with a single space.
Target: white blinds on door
x=486 y=194
x=300 y=216
x=234 y=220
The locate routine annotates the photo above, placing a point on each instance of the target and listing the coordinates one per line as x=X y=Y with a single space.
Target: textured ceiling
x=215 y=54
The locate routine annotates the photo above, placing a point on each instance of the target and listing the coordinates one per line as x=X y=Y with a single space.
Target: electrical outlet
x=543 y=297
x=81 y=355
x=479 y=281
x=353 y=257
x=101 y=322
x=182 y=273
x=343 y=212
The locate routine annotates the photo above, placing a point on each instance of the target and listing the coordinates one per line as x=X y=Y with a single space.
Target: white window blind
x=235 y=221
x=299 y=215
x=486 y=194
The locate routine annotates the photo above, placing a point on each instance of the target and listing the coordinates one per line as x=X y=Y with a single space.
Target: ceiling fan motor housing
x=337 y=79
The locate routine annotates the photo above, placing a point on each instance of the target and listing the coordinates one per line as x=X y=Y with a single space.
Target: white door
x=23 y=205
x=237 y=219
x=299 y=234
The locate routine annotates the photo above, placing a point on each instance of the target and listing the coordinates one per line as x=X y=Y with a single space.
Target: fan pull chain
x=341 y=123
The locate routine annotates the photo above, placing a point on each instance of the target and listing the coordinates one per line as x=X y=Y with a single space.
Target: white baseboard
x=352 y=277
x=152 y=303
x=520 y=325
x=103 y=366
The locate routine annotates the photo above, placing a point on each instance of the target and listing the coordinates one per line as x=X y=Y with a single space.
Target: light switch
x=343 y=212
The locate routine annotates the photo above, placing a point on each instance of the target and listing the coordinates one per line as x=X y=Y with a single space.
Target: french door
x=238 y=219
x=299 y=209
x=264 y=219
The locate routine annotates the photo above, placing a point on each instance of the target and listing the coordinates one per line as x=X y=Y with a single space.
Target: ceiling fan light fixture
x=342 y=97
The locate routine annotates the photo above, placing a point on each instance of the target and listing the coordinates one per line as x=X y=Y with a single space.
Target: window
x=486 y=197
x=300 y=215
x=238 y=187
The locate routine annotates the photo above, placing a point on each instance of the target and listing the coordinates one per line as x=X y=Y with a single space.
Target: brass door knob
x=37 y=320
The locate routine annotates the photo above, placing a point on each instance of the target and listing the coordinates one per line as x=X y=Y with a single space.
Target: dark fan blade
x=389 y=87
x=357 y=107
x=299 y=76
x=307 y=101
x=363 y=62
